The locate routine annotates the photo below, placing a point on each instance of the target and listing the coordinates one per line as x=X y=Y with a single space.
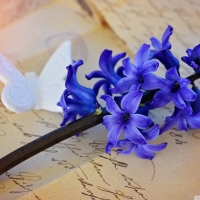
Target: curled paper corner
x=25 y=92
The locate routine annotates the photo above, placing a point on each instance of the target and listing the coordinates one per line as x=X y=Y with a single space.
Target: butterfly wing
x=17 y=94
x=52 y=78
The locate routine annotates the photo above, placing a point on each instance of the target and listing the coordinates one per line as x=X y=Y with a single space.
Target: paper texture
x=14 y=9
x=78 y=168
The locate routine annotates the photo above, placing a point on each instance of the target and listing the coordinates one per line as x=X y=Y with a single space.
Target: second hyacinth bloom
x=173 y=88
x=139 y=74
x=125 y=119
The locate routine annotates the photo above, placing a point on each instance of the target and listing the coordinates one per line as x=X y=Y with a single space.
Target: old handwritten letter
x=78 y=168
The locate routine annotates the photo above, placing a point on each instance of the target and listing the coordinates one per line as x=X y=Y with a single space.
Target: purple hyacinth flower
x=193 y=58
x=125 y=119
x=162 y=50
x=145 y=151
x=76 y=99
x=173 y=88
x=138 y=75
x=196 y=104
x=110 y=77
x=183 y=118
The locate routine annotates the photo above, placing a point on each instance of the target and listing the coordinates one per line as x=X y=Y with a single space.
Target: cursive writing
x=133 y=185
x=64 y=163
x=116 y=193
x=115 y=162
x=179 y=135
x=86 y=184
x=98 y=170
x=24 y=182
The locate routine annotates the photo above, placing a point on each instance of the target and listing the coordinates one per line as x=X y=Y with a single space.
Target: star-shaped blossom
x=107 y=64
x=162 y=50
x=145 y=151
x=76 y=99
x=125 y=119
x=183 y=118
x=193 y=58
x=173 y=88
x=138 y=75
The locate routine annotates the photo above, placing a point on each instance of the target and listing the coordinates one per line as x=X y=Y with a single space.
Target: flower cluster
x=107 y=73
x=130 y=130
x=76 y=99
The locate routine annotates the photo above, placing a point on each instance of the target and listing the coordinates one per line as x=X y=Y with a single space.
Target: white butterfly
x=23 y=93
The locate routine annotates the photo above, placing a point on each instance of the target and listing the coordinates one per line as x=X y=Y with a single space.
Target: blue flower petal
x=129 y=69
x=72 y=84
x=124 y=85
x=194 y=120
x=155 y=147
x=130 y=149
x=187 y=110
x=161 y=98
x=165 y=38
x=65 y=119
x=177 y=100
x=149 y=66
x=179 y=116
x=114 y=133
x=111 y=105
x=167 y=59
x=140 y=121
x=196 y=104
x=183 y=82
x=135 y=87
x=117 y=57
x=189 y=52
x=152 y=54
x=162 y=50
x=167 y=46
x=142 y=55
x=95 y=74
x=131 y=101
x=193 y=59
x=102 y=83
x=196 y=52
x=124 y=142
x=105 y=63
x=187 y=94
x=172 y=74
x=156 y=44
x=169 y=123
x=120 y=71
x=195 y=66
x=151 y=134
x=141 y=152
x=108 y=147
x=133 y=134
x=186 y=59
x=182 y=123
x=109 y=121
x=151 y=82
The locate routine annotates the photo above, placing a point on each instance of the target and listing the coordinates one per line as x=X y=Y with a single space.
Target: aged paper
x=78 y=168
x=136 y=21
x=13 y=10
